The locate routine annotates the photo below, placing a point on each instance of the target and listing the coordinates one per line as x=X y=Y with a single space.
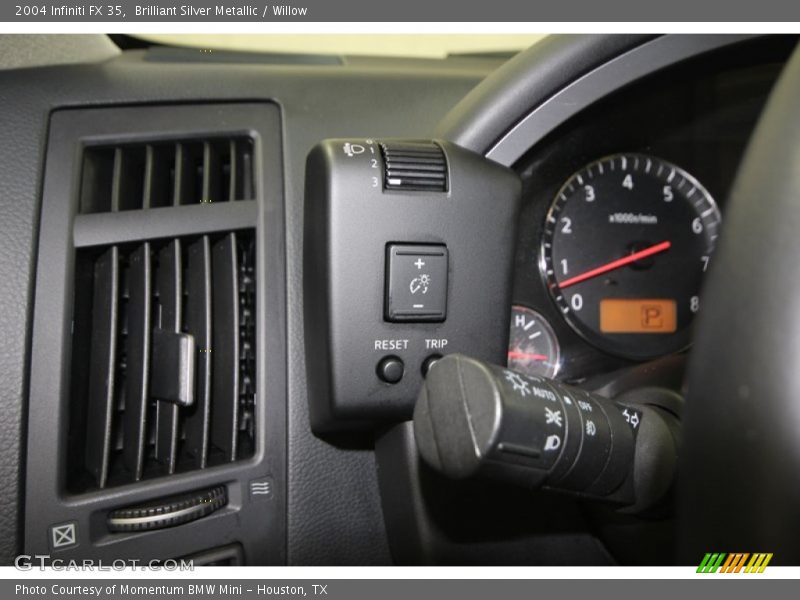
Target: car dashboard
x=263 y=239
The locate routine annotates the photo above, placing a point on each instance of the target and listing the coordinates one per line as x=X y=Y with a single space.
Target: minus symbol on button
x=419 y=306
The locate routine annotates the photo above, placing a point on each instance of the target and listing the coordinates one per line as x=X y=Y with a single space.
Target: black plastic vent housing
x=138 y=175
x=158 y=351
x=414 y=166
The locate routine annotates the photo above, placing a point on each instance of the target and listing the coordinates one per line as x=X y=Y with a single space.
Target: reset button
x=390 y=369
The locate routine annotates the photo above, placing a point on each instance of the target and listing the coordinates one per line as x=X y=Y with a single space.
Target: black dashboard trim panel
x=333 y=512
x=482 y=117
x=255 y=521
x=635 y=64
x=544 y=86
x=331 y=484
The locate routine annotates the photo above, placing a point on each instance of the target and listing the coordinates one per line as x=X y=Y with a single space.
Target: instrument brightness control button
x=416 y=283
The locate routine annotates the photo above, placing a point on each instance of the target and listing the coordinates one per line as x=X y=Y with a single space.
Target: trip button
x=428 y=363
x=416 y=283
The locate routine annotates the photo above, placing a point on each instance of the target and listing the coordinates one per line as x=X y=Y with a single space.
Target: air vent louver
x=146 y=315
x=158 y=337
x=414 y=166
x=150 y=175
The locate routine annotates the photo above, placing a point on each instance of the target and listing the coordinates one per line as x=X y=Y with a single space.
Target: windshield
x=422 y=46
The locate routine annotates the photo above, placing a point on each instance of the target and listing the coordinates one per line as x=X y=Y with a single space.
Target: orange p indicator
x=625 y=315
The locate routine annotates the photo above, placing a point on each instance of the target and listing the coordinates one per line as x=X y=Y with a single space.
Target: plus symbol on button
x=420 y=263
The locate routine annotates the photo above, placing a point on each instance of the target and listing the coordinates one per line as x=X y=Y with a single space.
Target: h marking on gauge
x=520 y=321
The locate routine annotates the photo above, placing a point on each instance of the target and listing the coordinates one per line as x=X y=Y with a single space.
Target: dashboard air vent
x=163 y=359
x=156 y=401
x=414 y=166
x=149 y=175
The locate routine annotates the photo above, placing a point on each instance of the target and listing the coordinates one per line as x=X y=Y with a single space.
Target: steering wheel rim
x=739 y=488
x=740 y=473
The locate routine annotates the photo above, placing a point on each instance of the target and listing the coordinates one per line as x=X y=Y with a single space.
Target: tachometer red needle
x=526 y=356
x=616 y=264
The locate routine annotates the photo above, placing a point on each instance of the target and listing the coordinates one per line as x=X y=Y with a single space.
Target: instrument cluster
x=623 y=207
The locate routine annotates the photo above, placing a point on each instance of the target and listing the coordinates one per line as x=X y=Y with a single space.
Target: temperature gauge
x=532 y=345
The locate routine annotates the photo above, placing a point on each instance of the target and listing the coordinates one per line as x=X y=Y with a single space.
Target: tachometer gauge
x=627 y=240
x=532 y=347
